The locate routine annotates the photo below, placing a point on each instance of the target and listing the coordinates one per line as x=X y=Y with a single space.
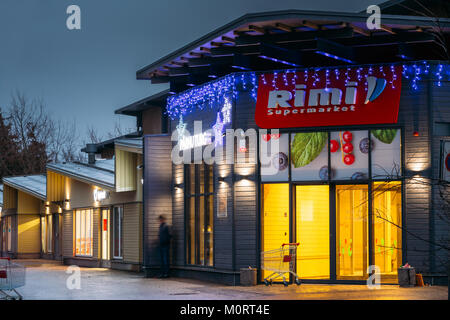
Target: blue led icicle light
x=209 y=94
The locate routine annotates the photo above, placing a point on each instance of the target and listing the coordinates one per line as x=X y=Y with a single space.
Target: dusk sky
x=86 y=74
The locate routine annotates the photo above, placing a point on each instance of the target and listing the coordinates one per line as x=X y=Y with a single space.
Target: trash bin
x=248 y=277
x=406 y=277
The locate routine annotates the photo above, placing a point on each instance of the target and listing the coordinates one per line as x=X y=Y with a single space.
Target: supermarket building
x=359 y=119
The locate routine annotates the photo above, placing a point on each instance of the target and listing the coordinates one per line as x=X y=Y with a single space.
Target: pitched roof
x=294 y=36
x=100 y=174
x=35 y=185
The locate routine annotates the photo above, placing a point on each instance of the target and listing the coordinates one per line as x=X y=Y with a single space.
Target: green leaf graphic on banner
x=306 y=146
x=385 y=135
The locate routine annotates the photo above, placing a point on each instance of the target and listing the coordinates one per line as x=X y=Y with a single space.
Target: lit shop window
x=118 y=224
x=313 y=231
x=352 y=232
x=387 y=232
x=8 y=220
x=43 y=235
x=274 y=220
x=49 y=233
x=199 y=214
x=83 y=232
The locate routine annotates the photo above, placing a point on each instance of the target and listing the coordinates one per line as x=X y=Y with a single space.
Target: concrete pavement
x=47 y=280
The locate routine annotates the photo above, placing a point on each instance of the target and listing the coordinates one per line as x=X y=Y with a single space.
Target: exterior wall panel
x=67 y=236
x=132 y=233
x=157 y=194
x=29 y=230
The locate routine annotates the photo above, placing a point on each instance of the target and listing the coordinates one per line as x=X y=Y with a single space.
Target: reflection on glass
x=313 y=224
x=387 y=221
x=351 y=233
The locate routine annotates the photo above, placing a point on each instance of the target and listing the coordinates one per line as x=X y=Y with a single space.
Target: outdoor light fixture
x=67 y=204
x=280 y=55
x=335 y=50
x=221 y=179
x=415 y=133
x=178 y=185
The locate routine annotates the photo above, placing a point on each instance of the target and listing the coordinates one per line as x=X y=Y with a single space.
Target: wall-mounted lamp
x=221 y=179
x=178 y=185
x=416 y=133
x=67 y=204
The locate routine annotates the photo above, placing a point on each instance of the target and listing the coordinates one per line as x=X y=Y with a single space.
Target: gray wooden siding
x=67 y=234
x=414 y=116
x=440 y=223
x=246 y=192
x=157 y=191
x=132 y=232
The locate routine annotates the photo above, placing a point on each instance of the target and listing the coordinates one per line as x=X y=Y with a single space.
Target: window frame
x=120 y=234
x=207 y=196
x=91 y=221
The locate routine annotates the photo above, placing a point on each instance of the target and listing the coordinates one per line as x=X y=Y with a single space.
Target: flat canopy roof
x=35 y=185
x=100 y=174
x=299 y=38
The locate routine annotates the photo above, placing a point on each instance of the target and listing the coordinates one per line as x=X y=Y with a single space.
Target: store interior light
x=335 y=50
x=416 y=133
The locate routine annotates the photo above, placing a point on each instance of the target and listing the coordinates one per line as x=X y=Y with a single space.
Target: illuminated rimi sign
x=363 y=96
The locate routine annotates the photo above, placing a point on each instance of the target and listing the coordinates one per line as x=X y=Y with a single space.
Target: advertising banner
x=317 y=98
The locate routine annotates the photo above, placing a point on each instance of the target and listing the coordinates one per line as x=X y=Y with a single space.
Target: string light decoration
x=210 y=94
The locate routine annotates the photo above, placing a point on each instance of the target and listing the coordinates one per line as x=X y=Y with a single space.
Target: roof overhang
x=155 y=100
x=219 y=52
x=130 y=145
x=84 y=179
x=24 y=189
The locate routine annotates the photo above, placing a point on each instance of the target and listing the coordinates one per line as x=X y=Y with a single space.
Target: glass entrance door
x=274 y=217
x=313 y=231
x=352 y=232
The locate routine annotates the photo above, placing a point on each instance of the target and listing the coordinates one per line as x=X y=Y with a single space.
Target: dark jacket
x=164 y=235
